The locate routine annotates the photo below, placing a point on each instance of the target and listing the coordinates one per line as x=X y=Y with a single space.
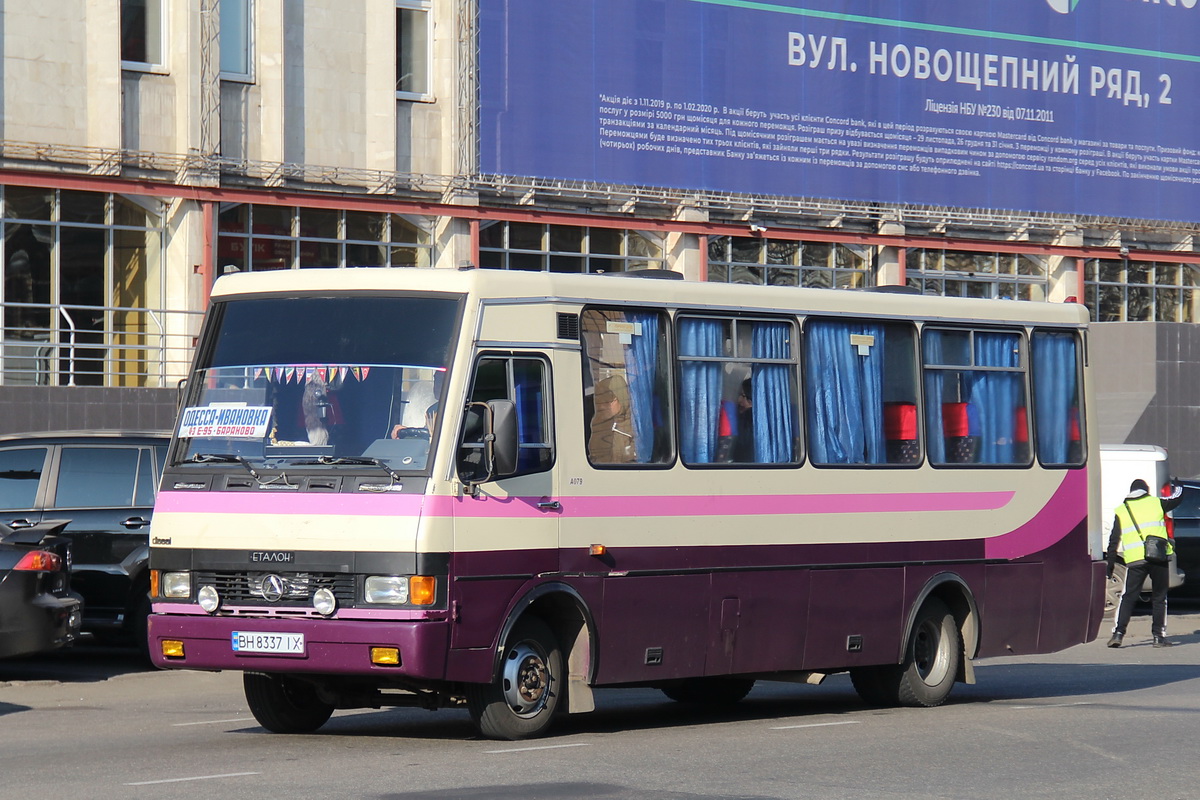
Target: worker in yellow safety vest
x=1140 y=516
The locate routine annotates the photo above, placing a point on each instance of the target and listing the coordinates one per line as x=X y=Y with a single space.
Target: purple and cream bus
x=501 y=490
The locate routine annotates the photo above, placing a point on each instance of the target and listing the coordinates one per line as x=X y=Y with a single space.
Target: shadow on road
x=82 y=663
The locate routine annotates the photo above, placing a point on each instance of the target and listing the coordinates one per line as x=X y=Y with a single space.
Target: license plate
x=255 y=642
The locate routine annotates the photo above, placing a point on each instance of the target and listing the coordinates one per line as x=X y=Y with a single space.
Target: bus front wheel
x=284 y=705
x=521 y=703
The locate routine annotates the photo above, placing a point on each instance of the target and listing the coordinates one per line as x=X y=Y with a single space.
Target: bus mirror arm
x=500 y=442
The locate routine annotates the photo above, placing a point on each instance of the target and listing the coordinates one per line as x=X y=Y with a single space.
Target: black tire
x=931 y=664
x=284 y=705
x=139 y=625
x=521 y=703
x=872 y=685
x=932 y=659
x=709 y=691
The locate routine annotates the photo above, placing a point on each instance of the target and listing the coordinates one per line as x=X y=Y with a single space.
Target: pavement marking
x=1053 y=705
x=209 y=722
x=197 y=778
x=817 y=725
x=543 y=747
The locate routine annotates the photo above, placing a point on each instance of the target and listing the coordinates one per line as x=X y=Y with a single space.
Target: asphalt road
x=95 y=723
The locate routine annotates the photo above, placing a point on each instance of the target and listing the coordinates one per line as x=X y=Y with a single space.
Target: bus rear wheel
x=933 y=657
x=521 y=703
x=931 y=664
x=709 y=691
x=284 y=705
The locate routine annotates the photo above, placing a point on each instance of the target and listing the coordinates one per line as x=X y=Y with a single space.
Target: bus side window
x=861 y=392
x=974 y=390
x=627 y=410
x=1056 y=392
x=737 y=391
x=524 y=382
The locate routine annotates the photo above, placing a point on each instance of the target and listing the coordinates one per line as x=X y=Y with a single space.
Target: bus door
x=507 y=532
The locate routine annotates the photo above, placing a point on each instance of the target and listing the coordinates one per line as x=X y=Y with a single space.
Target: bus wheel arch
x=941 y=634
x=953 y=591
x=570 y=622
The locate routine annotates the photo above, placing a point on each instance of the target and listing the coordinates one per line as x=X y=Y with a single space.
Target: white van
x=1120 y=465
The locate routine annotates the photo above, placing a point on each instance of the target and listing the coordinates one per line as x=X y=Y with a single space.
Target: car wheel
x=139 y=625
x=709 y=691
x=521 y=703
x=284 y=705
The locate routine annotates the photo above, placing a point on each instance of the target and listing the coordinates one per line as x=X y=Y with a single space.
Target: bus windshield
x=320 y=381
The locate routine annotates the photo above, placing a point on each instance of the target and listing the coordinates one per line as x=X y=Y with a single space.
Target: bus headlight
x=177 y=585
x=210 y=601
x=324 y=602
x=390 y=589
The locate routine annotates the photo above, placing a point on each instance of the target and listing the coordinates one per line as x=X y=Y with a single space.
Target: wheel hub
x=526 y=679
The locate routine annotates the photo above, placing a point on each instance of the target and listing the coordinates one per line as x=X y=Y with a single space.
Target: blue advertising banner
x=1070 y=106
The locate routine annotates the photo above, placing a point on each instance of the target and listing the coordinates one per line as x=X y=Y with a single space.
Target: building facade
x=149 y=146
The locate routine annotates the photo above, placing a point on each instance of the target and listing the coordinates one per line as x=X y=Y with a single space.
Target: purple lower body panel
x=330 y=646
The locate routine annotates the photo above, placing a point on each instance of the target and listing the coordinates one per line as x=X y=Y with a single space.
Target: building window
x=142 y=32
x=785 y=262
x=564 y=248
x=995 y=276
x=236 y=38
x=1119 y=290
x=262 y=237
x=412 y=49
x=82 y=293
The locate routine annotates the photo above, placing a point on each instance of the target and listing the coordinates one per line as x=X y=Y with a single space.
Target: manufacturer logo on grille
x=272 y=557
x=273 y=588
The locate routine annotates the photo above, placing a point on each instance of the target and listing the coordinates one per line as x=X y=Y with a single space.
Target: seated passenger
x=611 y=439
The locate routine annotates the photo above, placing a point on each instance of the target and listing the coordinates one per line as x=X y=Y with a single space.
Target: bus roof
x=489 y=284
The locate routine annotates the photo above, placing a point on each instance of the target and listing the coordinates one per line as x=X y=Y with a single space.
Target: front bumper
x=331 y=646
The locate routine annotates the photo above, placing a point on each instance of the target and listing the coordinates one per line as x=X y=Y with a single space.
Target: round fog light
x=324 y=602
x=210 y=601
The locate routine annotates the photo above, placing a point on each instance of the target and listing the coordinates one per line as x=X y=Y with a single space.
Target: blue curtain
x=845 y=394
x=774 y=425
x=935 y=435
x=641 y=361
x=996 y=396
x=529 y=419
x=1054 y=376
x=700 y=390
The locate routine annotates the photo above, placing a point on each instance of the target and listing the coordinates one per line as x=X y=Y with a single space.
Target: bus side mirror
x=180 y=390
x=489 y=444
x=504 y=442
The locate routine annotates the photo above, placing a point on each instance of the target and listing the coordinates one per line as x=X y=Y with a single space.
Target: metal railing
x=77 y=345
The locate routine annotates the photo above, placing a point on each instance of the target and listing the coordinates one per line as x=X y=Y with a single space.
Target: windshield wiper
x=226 y=458
x=365 y=460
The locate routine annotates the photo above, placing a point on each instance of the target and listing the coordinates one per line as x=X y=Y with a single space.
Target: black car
x=1187 y=538
x=38 y=610
x=104 y=483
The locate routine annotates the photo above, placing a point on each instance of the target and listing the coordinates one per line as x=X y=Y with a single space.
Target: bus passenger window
x=1056 y=392
x=626 y=408
x=974 y=393
x=860 y=390
x=523 y=381
x=737 y=391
